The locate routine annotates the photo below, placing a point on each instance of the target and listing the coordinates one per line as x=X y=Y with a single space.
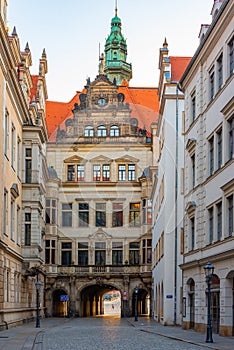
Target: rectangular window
x=66 y=253
x=117 y=215
x=134 y=214
x=12 y=220
x=50 y=251
x=100 y=214
x=211 y=80
x=51 y=211
x=134 y=248
x=83 y=214
x=27 y=229
x=193 y=103
x=106 y=172
x=230 y=214
x=19 y=158
x=100 y=253
x=219 y=148
x=231 y=137
x=219 y=220
x=231 y=56
x=192 y=230
x=131 y=172
x=147 y=251
x=28 y=165
x=80 y=172
x=122 y=172
x=5 y=214
x=147 y=211
x=220 y=71
x=211 y=155
x=117 y=253
x=6 y=133
x=67 y=214
x=211 y=224
x=71 y=173
x=97 y=173
x=83 y=253
x=193 y=167
x=13 y=143
x=18 y=226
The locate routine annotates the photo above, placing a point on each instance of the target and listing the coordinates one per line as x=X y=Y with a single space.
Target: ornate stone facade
x=100 y=189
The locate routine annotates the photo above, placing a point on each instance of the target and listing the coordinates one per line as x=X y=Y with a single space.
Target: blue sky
x=71 y=30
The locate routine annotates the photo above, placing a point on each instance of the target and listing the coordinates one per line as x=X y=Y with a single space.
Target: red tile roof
x=178 y=66
x=143 y=102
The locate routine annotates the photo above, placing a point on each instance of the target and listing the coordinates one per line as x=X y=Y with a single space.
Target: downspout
x=176 y=214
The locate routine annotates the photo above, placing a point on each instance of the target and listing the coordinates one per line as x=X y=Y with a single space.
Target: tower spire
x=116 y=8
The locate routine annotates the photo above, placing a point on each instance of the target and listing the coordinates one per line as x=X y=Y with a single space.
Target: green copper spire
x=116 y=66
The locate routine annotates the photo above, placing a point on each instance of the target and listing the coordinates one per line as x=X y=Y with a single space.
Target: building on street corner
x=209 y=185
x=23 y=176
x=167 y=191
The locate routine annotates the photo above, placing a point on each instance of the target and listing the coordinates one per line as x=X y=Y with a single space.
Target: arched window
x=101 y=131
x=114 y=130
x=89 y=131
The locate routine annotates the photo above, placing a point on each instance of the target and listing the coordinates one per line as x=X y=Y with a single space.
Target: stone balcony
x=94 y=269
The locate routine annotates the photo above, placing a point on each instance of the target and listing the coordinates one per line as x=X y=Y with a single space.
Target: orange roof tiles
x=178 y=66
x=144 y=105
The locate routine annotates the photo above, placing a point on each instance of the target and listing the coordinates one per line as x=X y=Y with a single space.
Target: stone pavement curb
x=214 y=346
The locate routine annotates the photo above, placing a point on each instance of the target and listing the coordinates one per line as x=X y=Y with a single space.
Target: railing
x=94 y=269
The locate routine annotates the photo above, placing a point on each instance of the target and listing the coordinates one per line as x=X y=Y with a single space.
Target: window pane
x=71 y=173
x=96 y=173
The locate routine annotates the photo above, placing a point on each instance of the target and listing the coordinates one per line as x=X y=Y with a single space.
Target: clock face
x=102 y=101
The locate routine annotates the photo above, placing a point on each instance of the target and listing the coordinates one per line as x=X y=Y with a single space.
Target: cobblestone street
x=105 y=334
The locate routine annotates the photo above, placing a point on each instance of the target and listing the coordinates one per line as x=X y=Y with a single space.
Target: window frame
x=66 y=211
x=117 y=214
x=83 y=214
x=100 y=215
x=134 y=214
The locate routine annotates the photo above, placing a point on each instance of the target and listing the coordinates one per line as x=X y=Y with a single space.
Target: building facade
x=98 y=210
x=209 y=186
x=20 y=130
x=167 y=192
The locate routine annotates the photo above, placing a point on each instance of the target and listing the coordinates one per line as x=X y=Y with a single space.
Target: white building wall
x=170 y=165
x=210 y=188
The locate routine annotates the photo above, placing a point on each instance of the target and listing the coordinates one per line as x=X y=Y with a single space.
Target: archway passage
x=143 y=303
x=100 y=300
x=60 y=303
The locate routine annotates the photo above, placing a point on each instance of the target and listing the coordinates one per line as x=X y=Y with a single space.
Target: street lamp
x=209 y=270
x=136 y=296
x=38 y=285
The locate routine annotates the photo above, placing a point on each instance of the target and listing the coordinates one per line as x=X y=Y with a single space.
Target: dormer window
x=114 y=130
x=88 y=131
x=101 y=131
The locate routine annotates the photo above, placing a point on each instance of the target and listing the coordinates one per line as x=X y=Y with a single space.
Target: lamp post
x=209 y=270
x=136 y=302
x=38 y=285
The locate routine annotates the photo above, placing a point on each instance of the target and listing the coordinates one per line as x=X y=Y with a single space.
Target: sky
x=71 y=30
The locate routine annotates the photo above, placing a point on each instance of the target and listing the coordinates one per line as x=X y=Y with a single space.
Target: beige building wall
x=209 y=181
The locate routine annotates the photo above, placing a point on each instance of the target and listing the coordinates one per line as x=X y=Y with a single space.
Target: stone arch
x=60 y=301
x=91 y=298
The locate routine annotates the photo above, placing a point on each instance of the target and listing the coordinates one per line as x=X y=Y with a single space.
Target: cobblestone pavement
x=105 y=334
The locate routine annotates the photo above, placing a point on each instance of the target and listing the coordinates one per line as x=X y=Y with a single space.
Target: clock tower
x=116 y=67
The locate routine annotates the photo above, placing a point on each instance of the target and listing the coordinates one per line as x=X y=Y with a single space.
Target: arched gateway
x=97 y=298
